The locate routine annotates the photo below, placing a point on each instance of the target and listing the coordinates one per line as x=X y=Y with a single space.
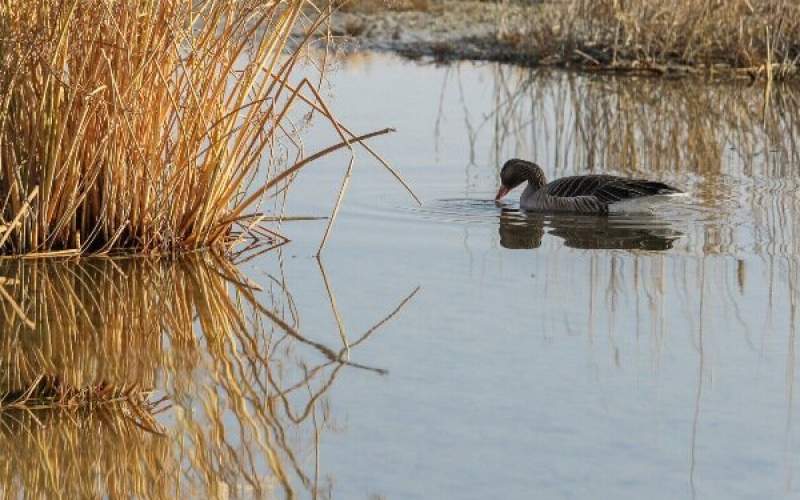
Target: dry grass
x=152 y=127
x=376 y=6
x=751 y=36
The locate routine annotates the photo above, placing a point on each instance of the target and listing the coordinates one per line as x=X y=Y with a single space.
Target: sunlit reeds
x=749 y=37
x=152 y=127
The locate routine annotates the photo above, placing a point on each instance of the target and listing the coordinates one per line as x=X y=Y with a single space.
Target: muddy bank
x=443 y=30
x=470 y=30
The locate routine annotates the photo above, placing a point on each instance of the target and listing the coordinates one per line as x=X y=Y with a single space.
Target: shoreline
x=449 y=30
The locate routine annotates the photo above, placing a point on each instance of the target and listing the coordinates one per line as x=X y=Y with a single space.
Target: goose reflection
x=526 y=231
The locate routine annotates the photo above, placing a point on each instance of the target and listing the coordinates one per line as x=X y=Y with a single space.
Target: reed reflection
x=642 y=126
x=732 y=146
x=149 y=378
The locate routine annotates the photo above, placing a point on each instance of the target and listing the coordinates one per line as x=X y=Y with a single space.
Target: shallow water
x=489 y=352
x=562 y=356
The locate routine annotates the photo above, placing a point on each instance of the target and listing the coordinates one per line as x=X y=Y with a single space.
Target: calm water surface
x=560 y=357
x=489 y=353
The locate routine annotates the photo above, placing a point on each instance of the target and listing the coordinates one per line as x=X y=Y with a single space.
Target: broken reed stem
x=342 y=190
x=302 y=163
x=366 y=146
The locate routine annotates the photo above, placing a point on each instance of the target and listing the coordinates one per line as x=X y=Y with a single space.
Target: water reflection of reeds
x=240 y=404
x=731 y=283
x=644 y=126
x=733 y=146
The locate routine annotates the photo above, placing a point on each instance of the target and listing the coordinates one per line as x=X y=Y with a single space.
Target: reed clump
x=143 y=125
x=746 y=37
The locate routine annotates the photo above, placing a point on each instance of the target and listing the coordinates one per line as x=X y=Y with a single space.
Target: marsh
x=459 y=349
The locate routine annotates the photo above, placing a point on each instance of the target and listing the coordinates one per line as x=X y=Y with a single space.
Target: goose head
x=515 y=172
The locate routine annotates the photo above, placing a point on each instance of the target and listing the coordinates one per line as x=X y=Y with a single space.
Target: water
x=492 y=353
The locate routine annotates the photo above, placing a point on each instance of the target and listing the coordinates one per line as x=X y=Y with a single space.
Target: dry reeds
x=752 y=37
x=153 y=126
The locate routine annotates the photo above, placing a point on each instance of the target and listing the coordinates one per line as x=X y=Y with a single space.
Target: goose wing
x=607 y=188
x=577 y=185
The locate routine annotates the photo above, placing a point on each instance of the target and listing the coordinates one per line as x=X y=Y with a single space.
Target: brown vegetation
x=152 y=127
x=752 y=37
x=737 y=38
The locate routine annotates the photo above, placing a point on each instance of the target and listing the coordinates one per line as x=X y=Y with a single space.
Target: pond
x=458 y=349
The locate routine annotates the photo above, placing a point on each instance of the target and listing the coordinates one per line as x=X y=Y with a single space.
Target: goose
x=581 y=194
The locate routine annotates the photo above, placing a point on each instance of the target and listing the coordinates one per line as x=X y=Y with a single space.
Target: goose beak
x=502 y=192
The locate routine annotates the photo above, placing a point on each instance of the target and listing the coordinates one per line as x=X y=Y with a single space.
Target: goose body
x=582 y=194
